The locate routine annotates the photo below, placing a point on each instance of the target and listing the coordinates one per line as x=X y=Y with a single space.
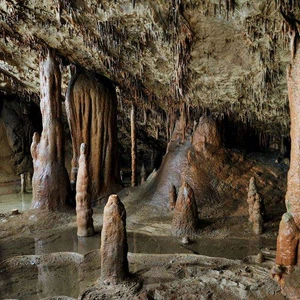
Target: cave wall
x=19 y=121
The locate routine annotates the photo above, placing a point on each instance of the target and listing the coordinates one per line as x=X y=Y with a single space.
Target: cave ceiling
x=225 y=57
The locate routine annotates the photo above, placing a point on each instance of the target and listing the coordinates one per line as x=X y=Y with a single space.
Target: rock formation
x=172 y=197
x=84 y=210
x=185 y=220
x=50 y=182
x=143 y=174
x=114 y=248
x=288 y=236
x=92 y=115
x=23 y=183
x=255 y=207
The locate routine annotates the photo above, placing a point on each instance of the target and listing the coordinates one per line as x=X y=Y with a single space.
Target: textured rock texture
x=84 y=211
x=185 y=220
x=91 y=106
x=50 y=182
x=114 y=248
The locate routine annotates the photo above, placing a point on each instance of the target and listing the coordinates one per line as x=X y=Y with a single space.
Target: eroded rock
x=50 y=182
x=84 y=209
x=114 y=248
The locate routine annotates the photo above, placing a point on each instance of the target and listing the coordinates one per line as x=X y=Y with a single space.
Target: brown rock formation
x=185 y=219
x=206 y=135
x=50 y=182
x=287 y=241
x=143 y=174
x=288 y=236
x=92 y=114
x=84 y=210
x=255 y=207
x=172 y=197
x=114 y=248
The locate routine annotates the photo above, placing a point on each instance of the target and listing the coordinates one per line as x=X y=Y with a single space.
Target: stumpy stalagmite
x=185 y=220
x=84 y=210
x=50 y=182
x=114 y=247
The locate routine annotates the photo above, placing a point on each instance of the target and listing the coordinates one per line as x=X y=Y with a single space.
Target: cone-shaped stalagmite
x=255 y=207
x=185 y=219
x=91 y=106
x=50 y=182
x=114 y=248
x=289 y=228
x=84 y=210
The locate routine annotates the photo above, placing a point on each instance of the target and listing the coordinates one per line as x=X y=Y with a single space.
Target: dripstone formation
x=84 y=210
x=91 y=106
x=287 y=254
x=255 y=207
x=185 y=220
x=50 y=182
x=114 y=248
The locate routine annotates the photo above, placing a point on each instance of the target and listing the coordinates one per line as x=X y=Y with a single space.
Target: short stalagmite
x=185 y=220
x=91 y=105
x=50 y=182
x=114 y=248
x=172 y=197
x=255 y=207
x=84 y=210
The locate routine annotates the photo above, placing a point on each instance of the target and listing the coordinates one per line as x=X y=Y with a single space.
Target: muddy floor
x=41 y=255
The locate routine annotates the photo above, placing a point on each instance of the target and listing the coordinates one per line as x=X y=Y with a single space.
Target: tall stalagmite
x=50 y=182
x=114 y=248
x=91 y=105
x=84 y=210
x=288 y=237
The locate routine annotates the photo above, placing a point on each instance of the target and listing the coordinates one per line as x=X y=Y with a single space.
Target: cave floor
x=41 y=255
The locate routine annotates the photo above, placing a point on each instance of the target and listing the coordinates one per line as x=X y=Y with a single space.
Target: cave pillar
x=288 y=236
x=91 y=105
x=50 y=182
x=114 y=247
x=133 y=146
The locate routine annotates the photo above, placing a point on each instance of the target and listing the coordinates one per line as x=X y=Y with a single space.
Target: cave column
x=50 y=182
x=288 y=236
x=133 y=146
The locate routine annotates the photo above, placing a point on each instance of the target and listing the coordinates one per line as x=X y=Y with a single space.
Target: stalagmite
x=91 y=107
x=23 y=183
x=143 y=174
x=288 y=236
x=133 y=146
x=255 y=207
x=172 y=197
x=114 y=248
x=84 y=210
x=185 y=219
x=50 y=182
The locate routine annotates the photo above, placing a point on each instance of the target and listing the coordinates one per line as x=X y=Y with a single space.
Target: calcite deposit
x=255 y=207
x=50 y=182
x=91 y=106
x=114 y=248
x=185 y=220
x=84 y=211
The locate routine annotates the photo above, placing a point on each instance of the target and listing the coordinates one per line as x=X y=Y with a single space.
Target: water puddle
x=68 y=241
x=11 y=198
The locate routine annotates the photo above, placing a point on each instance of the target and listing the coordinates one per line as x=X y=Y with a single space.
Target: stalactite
x=133 y=145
